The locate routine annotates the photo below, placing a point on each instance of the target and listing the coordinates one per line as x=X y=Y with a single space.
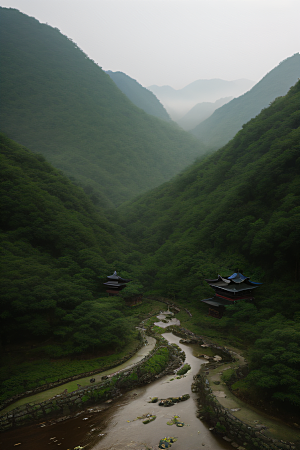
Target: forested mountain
x=58 y=102
x=226 y=121
x=139 y=95
x=200 y=112
x=237 y=209
x=56 y=251
x=179 y=101
x=243 y=199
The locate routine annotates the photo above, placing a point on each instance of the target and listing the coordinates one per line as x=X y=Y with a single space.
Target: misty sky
x=176 y=42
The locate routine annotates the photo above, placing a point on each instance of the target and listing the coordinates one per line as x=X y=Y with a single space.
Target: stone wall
x=66 y=403
x=239 y=434
x=222 y=421
x=46 y=387
x=192 y=338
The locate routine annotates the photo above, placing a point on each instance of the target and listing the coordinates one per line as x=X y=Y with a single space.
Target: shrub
x=184 y=369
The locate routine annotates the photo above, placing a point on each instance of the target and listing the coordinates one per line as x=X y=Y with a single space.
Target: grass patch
x=242 y=385
x=146 y=307
x=228 y=376
x=159 y=330
x=157 y=363
x=28 y=366
x=17 y=378
x=201 y=324
x=149 y=322
x=184 y=369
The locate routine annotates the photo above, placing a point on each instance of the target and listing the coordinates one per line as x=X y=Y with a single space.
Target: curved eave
x=233 y=288
x=217 y=302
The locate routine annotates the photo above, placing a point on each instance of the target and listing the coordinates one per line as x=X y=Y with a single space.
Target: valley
x=106 y=425
x=97 y=178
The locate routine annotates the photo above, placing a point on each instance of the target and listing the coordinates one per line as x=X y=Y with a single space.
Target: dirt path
x=73 y=385
x=272 y=427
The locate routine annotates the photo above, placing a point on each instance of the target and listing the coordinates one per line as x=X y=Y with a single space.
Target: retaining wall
x=46 y=387
x=64 y=404
x=240 y=434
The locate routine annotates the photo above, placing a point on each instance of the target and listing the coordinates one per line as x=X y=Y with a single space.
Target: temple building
x=227 y=291
x=115 y=284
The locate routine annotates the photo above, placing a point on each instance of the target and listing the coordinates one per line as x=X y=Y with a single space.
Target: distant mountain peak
x=59 y=103
x=179 y=102
x=140 y=96
x=226 y=121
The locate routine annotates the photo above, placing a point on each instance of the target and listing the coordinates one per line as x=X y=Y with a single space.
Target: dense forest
x=140 y=96
x=58 y=102
x=56 y=252
x=242 y=200
x=237 y=208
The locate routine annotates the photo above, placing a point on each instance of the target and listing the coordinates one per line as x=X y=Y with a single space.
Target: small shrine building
x=115 y=284
x=229 y=290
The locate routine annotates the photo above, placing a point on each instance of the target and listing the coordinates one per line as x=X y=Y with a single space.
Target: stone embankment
x=60 y=382
x=66 y=403
x=233 y=430
x=222 y=421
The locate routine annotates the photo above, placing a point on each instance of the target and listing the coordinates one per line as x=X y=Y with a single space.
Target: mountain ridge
x=200 y=112
x=179 y=102
x=58 y=102
x=230 y=189
x=226 y=121
x=140 y=96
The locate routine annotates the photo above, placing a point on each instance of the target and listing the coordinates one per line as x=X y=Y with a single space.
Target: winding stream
x=72 y=385
x=123 y=432
x=112 y=426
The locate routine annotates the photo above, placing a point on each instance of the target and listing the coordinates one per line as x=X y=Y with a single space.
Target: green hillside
x=56 y=101
x=140 y=96
x=244 y=199
x=56 y=251
x=226 y=121
x=240 y=208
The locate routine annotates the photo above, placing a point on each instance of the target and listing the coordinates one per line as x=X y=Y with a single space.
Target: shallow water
x=134 y=434
x=105 y=427
x=162 y=316
x=170 y=322
x=72 y=385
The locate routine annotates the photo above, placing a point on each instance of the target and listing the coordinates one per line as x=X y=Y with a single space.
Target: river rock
x=220 y=394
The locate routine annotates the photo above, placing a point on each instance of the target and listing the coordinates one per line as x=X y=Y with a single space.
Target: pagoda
x=115 y=284
x=228 y=290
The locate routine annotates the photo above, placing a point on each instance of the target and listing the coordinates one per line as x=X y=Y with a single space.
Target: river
x=113 y=426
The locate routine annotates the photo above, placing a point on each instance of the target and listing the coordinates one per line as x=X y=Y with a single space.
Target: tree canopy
x=56 y=252
x=58 y=102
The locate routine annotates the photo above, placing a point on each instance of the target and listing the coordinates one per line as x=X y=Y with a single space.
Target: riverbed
x=112 y=426
x=124 y=431
x=85 y=381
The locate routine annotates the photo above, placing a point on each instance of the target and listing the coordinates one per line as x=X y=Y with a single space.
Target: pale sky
x=175 y=42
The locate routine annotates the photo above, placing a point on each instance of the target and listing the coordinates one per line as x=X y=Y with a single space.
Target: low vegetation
x=184 y=369
x=235 y=209
x=157 y=362
x=16 y=377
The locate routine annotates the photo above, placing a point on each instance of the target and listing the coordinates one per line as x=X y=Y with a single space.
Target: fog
x=175 y=42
